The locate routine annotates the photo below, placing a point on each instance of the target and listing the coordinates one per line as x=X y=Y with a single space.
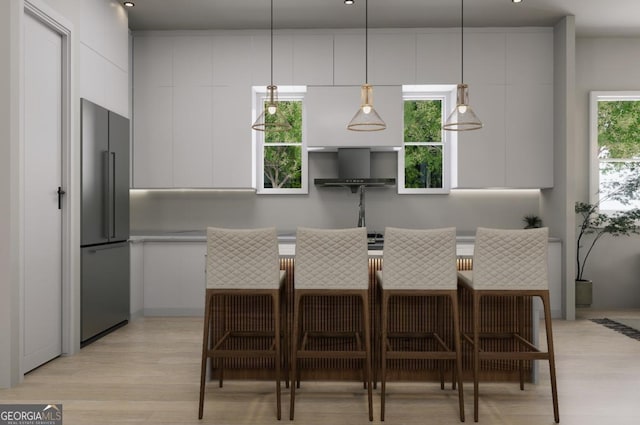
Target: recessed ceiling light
x=128 y=4
x=349 y=2
x=516 y=1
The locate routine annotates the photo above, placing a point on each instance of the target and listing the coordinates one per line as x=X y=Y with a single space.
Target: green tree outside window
x=423 y=149
x=618 y=147
x=283 y=150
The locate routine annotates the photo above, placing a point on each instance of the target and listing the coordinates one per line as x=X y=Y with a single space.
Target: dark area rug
x=619 y=327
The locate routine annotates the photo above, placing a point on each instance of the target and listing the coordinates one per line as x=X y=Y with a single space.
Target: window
x=282 y=155
x=615 y=146
x=424 y=160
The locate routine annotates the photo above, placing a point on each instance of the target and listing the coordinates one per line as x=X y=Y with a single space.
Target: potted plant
x=596 y=224
x=532 y=221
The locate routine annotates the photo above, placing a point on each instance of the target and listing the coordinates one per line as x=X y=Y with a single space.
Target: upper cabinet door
x=438 y=57
x=484 y=57
x=192 y=61
x=261 y=59
x=348 y=65
x=392 y=58
x=329 y=110
x=232 y=63
x=313 y=59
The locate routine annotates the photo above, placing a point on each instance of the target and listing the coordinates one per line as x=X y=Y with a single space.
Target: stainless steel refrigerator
x=105 y=221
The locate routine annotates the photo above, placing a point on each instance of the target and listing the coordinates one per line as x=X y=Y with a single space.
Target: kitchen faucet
x=361 y=222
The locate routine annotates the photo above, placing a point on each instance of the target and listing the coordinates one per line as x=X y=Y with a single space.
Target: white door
x=42 y=177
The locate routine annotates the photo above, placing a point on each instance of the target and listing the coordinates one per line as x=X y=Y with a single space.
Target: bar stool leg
x=458 y=347
x=277 y=357
x=294 y=354
x=367 y=335
x=552 y=361
x=521 y=321
x=476 y=352
x=383 y=351
x=205 y=345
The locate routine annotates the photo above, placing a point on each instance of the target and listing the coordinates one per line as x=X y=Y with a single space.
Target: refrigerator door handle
x=112 y=195
x=106 y=202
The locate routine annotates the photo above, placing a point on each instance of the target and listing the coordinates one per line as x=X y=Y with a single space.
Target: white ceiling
x=593 y=17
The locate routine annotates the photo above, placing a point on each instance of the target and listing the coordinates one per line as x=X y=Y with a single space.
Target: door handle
x=60 y=192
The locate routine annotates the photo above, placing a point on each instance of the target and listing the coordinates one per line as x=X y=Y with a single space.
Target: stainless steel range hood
x=354 y=170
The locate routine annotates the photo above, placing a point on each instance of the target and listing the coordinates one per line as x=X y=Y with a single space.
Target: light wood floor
x=148 y=373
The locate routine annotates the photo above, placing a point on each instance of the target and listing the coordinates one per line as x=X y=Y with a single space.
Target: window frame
x=446 y=94
x=295 y=93
x=594 y=160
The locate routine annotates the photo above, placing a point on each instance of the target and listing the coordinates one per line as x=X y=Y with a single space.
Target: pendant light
x=462 y=118
x=366 y=119
x=271 y=118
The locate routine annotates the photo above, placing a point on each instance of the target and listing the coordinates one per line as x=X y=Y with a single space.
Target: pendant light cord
x=366 y=42
x=462 y=41
x=271 y=42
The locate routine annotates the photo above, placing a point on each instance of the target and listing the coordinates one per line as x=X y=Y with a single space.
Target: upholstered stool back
x=242 y=258
x=506 y=259
x=419 y=259
x=331 y=259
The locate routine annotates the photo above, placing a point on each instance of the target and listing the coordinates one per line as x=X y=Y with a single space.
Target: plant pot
x=584 y=293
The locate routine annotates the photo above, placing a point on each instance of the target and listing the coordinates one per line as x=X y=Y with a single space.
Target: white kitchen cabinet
x=153 y=61
x=190 y=131
x=481 y=153
x=174 y=278
x=348 y=59
x=438 y=58
x=232 y=147
x=261 y=59
x=152 y=137
x=333 y=107
x=192 y=137
x=529 y=136
x=232 y=63
x=313 y=59
x=484 y=57
x=192 y=61
x=529 y=57
x=392 y=58
x=511 y=90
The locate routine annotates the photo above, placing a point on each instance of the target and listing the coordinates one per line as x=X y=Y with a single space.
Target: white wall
x=606 y=64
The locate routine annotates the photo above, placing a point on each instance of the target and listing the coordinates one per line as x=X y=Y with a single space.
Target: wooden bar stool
x=242 y=263
x=420 y=264
x=331 y=263
x=509 y=263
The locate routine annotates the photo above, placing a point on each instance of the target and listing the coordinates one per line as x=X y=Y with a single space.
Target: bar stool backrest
x=511 y=259
x=331 y=259
x=419 y=258
x=242 y=258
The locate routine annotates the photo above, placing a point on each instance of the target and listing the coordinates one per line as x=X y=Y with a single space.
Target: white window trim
x=446 y=94
x=284 y=93
x=594 y=161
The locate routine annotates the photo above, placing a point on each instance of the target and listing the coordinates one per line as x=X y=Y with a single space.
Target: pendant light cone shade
x=271 y=118
x=366 y=118
x=462 y=118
